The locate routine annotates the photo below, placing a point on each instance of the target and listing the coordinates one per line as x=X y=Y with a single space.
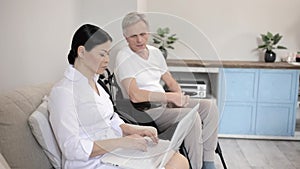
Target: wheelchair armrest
x=140 y=117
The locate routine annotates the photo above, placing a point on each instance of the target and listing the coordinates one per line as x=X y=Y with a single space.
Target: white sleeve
x=65 y=125
x=116 y=121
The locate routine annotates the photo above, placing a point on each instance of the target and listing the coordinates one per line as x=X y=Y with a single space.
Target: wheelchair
x=129 y=114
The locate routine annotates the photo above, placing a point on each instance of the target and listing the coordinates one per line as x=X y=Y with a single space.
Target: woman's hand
x=134 y=141
x=143 y=131
x=147 y=131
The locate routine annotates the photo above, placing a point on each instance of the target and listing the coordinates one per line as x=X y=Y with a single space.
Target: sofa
x=19 y=148
x=26 y=138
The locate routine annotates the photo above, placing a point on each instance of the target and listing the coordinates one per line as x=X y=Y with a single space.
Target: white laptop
x=157 y=155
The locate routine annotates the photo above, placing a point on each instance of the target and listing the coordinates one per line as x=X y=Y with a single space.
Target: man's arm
x=172 y=84
x=137 y=95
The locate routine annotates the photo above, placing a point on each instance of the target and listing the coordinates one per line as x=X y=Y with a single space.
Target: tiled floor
x=259 y=154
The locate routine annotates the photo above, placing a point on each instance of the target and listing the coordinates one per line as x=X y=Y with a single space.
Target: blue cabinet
x=258 y=101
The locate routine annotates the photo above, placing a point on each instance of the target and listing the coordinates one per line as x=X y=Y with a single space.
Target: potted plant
x=164 y=40
x=270 y=42
x=298 y=56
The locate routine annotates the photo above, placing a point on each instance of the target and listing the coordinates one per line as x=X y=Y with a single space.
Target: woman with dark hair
x=81 y=113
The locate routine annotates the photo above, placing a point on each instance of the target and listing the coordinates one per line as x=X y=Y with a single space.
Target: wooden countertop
x=231 y=64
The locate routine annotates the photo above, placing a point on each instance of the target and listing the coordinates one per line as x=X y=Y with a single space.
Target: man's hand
x=179 y=99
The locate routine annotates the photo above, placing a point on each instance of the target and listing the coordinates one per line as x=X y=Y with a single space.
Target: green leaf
x=160 y=32
x=277 y=38
x=264 y=38
x=170 y=42
x=162 y=48
x=262 y=46
x=171 y=47
x=166 y=30
x=173 y=38
x=157 y=37
x=270 y=35
x=281 y=47
x=161 y=35
x=269 y=43
x=156 y=41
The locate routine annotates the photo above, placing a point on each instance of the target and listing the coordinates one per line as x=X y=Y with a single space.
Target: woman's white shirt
x=79 y=116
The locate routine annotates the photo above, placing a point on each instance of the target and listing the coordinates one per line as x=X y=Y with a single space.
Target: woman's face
x=97 y=59
x=137 y=36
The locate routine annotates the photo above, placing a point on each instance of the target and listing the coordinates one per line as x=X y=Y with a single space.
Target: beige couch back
x=17 y=145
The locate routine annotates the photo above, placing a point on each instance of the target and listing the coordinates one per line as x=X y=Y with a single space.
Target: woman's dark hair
x=88 y=36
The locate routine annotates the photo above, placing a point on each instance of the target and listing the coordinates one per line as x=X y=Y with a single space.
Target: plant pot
x=298 y=57
x=164 y=52
x=270 y=56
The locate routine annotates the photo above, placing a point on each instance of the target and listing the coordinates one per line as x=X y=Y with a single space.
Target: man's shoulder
x=123 y=54
x=150 y=47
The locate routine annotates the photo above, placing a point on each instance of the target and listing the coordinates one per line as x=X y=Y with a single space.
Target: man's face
x=137 y=36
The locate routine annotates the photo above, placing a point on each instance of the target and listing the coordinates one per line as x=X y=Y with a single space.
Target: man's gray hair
x=133 y=18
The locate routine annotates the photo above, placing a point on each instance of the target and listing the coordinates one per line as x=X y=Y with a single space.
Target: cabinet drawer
x=277 y=86
x=275 y=119
x=239 y=85
x=237 y=118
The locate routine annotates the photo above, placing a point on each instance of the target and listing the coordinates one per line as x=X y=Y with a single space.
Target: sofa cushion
x=3 y=163
x=42 y=131
x=17 y=144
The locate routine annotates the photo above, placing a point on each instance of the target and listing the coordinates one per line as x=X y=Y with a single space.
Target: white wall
x=34 y=37
x=233 y=26
x=108 y=15
x=36 y=34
